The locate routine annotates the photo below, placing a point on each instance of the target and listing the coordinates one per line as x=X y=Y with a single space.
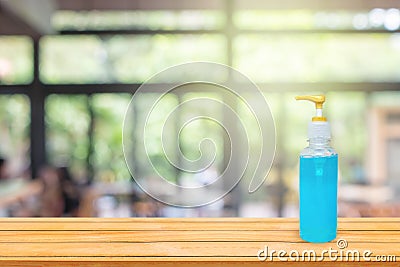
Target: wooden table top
x=192 y=241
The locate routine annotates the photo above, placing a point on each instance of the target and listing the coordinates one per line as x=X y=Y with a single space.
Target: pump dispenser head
x=318 y=127
x=319 y=101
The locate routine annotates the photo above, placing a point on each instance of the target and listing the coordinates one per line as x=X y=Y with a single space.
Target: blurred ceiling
x=33 y=17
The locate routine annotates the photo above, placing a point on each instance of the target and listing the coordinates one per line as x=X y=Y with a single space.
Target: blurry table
x=366 y=193
x=13 y=191
x=186 y=242
x=87 y=207
x=368 y=201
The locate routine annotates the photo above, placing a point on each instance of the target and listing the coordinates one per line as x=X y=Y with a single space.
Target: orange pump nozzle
x=319 y=101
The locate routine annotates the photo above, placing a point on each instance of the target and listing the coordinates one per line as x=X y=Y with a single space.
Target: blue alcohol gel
x=318 y=198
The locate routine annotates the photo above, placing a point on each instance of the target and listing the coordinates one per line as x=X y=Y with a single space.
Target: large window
x=87 y=74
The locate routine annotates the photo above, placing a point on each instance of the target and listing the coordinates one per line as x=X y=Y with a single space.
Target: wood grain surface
x=190 y=241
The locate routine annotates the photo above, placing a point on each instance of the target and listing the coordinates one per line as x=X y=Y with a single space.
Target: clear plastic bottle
x=318 y=180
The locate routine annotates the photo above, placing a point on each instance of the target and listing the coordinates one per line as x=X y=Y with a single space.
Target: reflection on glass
x=137 y=58
x=16 y=60
x=122 y=58
x=154 y=129
x=194 y=131
x=318 y=57
x=108 y=159
x=67 y=129
x=72 y=59
x=67 y=141
x=14 y=134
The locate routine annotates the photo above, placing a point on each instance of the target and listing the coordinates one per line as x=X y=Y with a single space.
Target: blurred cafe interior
x=68 y=70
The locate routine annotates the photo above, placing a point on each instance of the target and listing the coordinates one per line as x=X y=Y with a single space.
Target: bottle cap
x=319 y=129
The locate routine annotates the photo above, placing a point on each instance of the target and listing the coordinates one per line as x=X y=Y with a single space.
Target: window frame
x=38 y=91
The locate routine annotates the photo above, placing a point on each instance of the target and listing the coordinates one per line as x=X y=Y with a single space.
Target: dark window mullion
x=90 y=154
x=37 y=127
